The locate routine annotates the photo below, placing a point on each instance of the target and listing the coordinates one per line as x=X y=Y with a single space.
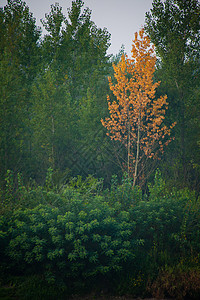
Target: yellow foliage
x=136 y=109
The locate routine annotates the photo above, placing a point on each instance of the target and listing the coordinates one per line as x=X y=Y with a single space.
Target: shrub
x=88 y=241
x=167 y=225
x=178 y=282
x=124 y=193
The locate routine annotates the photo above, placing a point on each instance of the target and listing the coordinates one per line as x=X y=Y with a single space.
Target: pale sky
x=122 y=18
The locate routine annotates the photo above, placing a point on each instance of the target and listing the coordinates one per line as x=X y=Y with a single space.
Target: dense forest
x=54 y=89
x=83 y=210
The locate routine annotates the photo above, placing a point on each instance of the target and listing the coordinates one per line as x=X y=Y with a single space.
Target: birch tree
x=136 y=115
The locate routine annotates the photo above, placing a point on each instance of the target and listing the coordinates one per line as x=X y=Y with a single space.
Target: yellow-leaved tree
x=136 y=116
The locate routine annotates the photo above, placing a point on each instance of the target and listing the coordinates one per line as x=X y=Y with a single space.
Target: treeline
x=53 y=93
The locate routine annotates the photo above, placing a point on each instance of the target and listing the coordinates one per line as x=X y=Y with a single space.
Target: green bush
x=88 y=240
x=168 y=223
x=124 y=193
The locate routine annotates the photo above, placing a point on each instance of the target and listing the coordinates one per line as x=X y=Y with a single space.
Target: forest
x=99 y=155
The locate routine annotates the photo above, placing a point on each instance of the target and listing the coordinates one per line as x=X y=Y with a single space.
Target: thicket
x=81 y=238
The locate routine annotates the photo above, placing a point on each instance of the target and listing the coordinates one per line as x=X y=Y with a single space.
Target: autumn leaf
x=136 y=116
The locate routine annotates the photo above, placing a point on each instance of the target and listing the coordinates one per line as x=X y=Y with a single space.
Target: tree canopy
x=54 y=94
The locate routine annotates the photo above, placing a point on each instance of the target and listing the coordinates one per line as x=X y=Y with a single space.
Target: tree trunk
x=129 y=147
x=182 y=130
x=129 y=141
x=52 y=146
x=137 y=153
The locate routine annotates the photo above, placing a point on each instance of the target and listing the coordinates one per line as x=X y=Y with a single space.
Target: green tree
x=78 y=53
x=174 y=28
x=12 y=101
x=53 y=23
x=51 y=122
x=77 y=45
x=19 y=54
x=20 y=37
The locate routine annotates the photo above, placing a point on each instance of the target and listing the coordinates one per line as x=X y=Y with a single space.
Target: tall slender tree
x=51 y=122
x=19 y=57
x=78 y=53
x=136 y=116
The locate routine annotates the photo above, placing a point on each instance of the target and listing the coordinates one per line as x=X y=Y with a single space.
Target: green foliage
x=90 y=185
x=51 y=121
x=35 y=287
x=158 y=189
x=13 y=191
x=48 y=181
x=18 y=65
x=84 y=236
x=123 y=193
x=53 y=91
x=9 y=186
x=88 y=240
x=164 y=222
x=62 y=232
x=174 y=28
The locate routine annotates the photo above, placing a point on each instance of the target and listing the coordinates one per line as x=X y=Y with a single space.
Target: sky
x=122 y=18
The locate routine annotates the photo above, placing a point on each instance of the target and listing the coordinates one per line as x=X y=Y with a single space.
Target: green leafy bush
x=168 y=223
x=88 y=240
x=124 y=193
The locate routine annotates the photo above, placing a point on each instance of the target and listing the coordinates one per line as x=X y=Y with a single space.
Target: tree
x=20 y=37
x=53 y=23
x=12 y=127
x=51 y=123
x=76 y=50
x=19 y=55
x=174 y=28
x=136 y=116
x=76 y=44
